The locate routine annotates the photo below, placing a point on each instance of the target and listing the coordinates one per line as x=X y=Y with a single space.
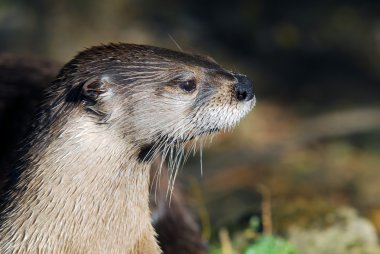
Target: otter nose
x=244 y=88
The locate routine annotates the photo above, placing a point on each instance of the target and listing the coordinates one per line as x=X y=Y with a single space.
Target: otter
x=22 y=81
x=82 y=181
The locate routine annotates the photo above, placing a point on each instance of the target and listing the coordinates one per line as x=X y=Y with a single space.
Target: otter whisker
x=176 y=169
x=157 y=175
x=201 y=158
x=176 y=162
x=157 y=150
x=174 y=41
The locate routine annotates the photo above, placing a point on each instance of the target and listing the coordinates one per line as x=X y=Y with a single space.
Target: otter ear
x=93 y=88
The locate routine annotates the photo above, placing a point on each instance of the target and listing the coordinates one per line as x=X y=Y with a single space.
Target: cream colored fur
x=93 y=204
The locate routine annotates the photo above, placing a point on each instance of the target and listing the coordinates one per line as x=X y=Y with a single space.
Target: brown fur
x=81 y=186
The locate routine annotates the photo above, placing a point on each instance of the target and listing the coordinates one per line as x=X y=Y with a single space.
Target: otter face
x=200 y=101
x=157 y=97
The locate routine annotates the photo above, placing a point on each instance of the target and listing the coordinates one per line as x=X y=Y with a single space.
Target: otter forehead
x=117 y=56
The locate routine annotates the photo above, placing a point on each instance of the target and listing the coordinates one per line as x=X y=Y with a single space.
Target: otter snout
x=243 y=88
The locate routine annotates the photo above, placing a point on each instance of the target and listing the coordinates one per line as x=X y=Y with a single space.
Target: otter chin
x=81 y=184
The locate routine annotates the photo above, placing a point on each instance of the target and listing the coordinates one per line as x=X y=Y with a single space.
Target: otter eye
x=188 y=86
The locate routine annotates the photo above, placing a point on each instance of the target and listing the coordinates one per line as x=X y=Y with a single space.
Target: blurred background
x=302 y=170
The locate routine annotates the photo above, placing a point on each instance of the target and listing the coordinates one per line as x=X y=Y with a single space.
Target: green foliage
x=270 y=245
x=250 y=241
x=216 y=249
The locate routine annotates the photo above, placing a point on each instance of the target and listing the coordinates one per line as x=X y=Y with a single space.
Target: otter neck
x=84 y=192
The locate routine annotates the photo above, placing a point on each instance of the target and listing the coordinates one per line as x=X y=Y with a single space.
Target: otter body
x=95 y=203
x=82 y=182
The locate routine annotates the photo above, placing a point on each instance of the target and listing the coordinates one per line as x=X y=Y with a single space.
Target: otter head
x=154 y=96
